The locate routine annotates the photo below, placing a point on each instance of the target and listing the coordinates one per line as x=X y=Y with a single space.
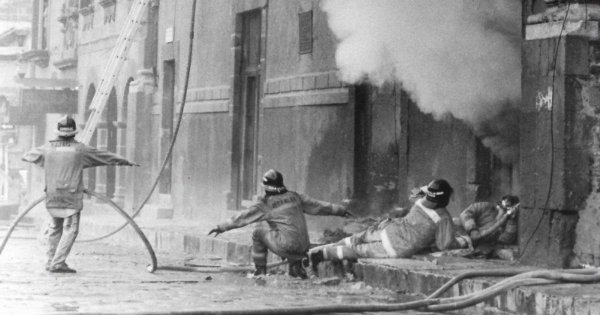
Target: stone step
x=416 y=277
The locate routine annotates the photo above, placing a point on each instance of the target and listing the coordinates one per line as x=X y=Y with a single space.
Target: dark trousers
x=265 y=239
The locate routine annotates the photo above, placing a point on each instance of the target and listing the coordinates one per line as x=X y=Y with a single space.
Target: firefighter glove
x=512 y=211
x=217 y=231
x=474 y=234
x=347 y=214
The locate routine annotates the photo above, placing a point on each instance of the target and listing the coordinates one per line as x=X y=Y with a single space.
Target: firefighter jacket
x=482 y=215
x=284 y=213
x=63 y=161
x=418 y=230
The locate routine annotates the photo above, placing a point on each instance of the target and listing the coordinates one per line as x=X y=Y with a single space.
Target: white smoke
x=453 y=56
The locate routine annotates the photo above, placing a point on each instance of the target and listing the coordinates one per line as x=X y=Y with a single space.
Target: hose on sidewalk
x=19 y=217
x=153 y=262
x=219 y=269
x=536 y=277
x=431 y=303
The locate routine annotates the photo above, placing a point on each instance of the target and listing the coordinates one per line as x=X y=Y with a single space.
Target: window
x=86 y=3
x=305 y=30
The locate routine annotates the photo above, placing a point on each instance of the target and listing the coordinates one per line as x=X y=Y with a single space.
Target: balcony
x=66 y=59
x=38 y=56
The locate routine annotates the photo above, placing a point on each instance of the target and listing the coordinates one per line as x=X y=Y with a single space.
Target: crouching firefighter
x=428 y=223
x=282 y=225
x=63 y=160
x=488 y=226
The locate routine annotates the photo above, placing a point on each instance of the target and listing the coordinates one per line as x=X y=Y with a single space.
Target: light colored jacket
x=63 y=161
x=481 y=215
x=284 y=213
x=420 y=229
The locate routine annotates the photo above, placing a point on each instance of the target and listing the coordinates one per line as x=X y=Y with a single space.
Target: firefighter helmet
x=272 y=181
x=439 y=192
x=66 y=127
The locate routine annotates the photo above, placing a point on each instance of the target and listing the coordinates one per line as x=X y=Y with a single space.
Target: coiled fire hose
x=153 y=263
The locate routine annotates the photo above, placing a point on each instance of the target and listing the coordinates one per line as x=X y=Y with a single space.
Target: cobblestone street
x=111 y=279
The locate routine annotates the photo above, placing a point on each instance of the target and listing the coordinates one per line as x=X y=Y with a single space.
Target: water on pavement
x=112 y=279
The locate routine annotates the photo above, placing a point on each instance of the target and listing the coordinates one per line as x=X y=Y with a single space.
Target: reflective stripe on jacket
x=420 y=229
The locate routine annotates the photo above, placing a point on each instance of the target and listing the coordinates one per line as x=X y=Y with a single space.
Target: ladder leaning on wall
x=111 y=70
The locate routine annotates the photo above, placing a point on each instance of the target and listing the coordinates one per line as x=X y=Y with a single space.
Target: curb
x=408 y=276
x=522 y=300
x=176 y=242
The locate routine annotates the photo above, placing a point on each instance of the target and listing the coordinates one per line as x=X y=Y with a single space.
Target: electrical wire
x=551 y=123
x=173 y=140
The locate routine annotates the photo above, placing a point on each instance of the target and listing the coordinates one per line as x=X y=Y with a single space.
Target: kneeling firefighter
x=282 y=225
x=63 y=160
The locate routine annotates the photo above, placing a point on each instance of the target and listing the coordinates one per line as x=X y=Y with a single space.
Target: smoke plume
x=460 y=57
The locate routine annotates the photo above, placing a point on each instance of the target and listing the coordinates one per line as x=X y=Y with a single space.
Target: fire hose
x=431 y=303
x=153 y=266
x=435 y=304
x=499 y=223
x=153 y=263
x=217 y=269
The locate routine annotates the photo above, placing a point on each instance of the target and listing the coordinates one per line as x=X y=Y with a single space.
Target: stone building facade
x=263 y=92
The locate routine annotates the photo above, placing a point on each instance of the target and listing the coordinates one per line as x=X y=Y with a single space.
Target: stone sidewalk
x=113 y=280
x=412 y=276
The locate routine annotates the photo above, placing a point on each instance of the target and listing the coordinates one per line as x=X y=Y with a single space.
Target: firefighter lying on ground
x=427 y=223
x=489 y=225
x=281 y=224
x=63 y=161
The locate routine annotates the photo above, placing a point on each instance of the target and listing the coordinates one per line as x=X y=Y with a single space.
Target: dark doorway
x=168 y=106
x=247 y=98
x=362 y=140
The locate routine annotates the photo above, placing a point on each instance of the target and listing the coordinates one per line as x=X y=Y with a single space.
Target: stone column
x=121 y=172
x=555 y=129
x=101 y=143
x=139 y=138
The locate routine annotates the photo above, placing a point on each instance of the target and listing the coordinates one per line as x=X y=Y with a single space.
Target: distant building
x=15 y=38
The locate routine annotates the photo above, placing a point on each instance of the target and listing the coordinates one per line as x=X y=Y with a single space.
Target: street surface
x=111 y=279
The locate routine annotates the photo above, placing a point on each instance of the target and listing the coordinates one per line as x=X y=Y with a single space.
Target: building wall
x=98 y=33
x=201 y=156
x=440 y=149
x=559 y=125
x=306 y=125
x=407 y=149
x=305 y=122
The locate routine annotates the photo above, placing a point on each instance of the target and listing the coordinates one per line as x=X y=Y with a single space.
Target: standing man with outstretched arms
x=64 y=160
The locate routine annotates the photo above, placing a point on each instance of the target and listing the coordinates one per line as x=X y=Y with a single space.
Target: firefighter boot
x=296 y=270
x=315 y=259
x=261 y=270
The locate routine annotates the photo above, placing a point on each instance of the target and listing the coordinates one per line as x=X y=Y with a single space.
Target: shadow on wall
x=328 y=164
